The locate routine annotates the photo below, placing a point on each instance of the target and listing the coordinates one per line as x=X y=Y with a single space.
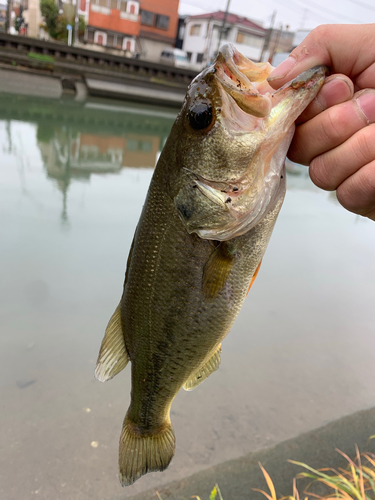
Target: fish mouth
x=250 y=106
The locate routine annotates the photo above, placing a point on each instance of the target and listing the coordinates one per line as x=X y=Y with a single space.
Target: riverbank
x=237 y=478
x=80 y=71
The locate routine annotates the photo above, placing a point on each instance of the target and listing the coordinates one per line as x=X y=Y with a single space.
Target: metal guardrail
x=82 y=63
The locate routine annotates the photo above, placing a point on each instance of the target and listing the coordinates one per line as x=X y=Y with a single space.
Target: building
x=111 y=25
x=202 y=36
x=32 y=17
x=3 y=15
x=135 y=28
x=278 y=42
x=158 y=27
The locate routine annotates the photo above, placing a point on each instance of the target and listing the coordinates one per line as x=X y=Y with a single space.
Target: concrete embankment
x=237 y=478
x=61 y=68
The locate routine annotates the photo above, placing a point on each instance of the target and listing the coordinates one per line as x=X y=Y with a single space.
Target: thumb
x=342 y=47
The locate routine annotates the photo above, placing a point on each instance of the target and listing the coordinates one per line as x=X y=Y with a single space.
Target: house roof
x=231 y=19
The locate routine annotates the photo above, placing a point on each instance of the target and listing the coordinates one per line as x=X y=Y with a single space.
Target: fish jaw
x=258 y=127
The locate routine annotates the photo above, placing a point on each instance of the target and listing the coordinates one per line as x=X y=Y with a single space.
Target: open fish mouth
x=265 y=118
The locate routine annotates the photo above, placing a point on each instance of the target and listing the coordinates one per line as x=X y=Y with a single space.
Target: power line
x=362 y=4
x=313 y=14
x=336 y=14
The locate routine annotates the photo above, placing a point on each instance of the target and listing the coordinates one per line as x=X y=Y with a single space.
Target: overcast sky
x=297 y=13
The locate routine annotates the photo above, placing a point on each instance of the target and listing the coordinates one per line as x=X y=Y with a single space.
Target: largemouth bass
x=209 y=213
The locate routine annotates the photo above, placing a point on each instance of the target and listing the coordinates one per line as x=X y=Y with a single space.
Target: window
x=195 y=30
x=110 y=40
x=189 y=56
x=247 y=39
x=240 y=37
x=132 y=7
x=122 y=6
x=114 y=4
x=147 y=18
x=100 y=38
x=162 y=22
x=103 y=3
x=132 y=145
x=145 y=146
x=200 y=57
x=90 y=36
x=119 y=41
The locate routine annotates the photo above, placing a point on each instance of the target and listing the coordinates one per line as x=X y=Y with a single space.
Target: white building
x=202 y=34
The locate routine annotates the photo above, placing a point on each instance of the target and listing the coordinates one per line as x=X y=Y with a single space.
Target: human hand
x=336 y=133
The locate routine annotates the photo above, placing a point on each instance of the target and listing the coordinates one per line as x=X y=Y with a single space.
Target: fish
x=212 y=204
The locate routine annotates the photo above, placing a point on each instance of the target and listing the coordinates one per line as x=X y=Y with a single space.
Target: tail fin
x=140 y=454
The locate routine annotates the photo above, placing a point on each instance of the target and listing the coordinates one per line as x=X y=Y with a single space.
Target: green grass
x=356 y=482
x=41 y=57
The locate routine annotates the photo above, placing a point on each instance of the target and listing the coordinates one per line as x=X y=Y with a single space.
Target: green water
x=73 y=178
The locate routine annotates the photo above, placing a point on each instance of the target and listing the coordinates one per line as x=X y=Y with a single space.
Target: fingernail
x=366 y=103
x=282 y=69
x=335 y=91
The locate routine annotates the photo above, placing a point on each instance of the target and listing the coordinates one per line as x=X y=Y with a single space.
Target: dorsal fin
x=113 y=356
x=211 y=366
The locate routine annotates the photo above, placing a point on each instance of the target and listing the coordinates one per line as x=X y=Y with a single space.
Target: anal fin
x=113 y=356
x=211 y=366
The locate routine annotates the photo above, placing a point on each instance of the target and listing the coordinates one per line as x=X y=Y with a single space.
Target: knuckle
x=331 y=129
x=357 y=194
x=296 y=153
x=363 y=145
x=320 y=173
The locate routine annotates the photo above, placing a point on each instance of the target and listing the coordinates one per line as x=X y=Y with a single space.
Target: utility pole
x=223 y=26
x=267 y=40
x=9 y=15
x=276 y=44
x=76 y=25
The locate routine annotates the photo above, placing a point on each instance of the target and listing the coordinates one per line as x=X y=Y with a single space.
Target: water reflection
x=79 y=139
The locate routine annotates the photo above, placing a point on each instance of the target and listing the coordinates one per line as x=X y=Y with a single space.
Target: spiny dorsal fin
x=211 y=366
x=142 y=452
x=216 y=271
x=113 y=356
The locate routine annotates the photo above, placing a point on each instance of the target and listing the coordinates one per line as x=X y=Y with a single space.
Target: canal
x=73 y=178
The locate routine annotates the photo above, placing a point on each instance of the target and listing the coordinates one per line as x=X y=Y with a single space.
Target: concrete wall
x=33 y=18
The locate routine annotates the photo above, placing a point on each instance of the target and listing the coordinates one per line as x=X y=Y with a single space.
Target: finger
x=344 y=48
x=331 y=169
x=332 y=127
x=357 y=193
x=336 y=89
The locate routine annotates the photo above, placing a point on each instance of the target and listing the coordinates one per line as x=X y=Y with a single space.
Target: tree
x=56 y=23
x=50 y=12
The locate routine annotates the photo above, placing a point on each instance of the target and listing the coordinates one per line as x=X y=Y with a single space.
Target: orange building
x=112 y=25
x=158 y=27
x=130 y=27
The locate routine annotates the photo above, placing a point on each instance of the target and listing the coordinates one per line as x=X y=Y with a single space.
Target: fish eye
x=200 y=115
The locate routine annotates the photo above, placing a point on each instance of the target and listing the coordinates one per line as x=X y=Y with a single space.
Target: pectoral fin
x=216 y=271
x=254 y=277
x=113 y=356
x=211 y=366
